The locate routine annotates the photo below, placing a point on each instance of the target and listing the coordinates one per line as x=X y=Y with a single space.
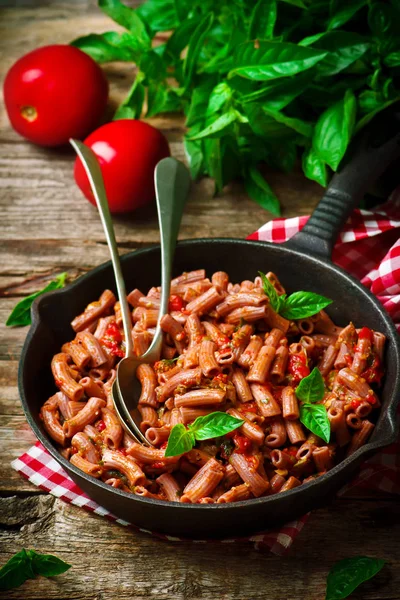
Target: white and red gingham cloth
x=369 y=248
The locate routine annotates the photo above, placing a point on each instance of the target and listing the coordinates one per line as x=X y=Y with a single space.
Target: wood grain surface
x=47 y=227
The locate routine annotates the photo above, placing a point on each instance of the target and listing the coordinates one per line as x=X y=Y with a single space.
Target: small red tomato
x=128 y=151
x=55 y=93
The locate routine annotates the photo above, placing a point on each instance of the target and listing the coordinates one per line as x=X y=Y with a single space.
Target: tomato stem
x=29 y=113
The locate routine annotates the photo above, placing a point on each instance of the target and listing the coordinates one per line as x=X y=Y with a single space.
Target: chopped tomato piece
x=100 y=425
x=176 y=303
x=248 y=407
x=242 y=443
x=365 y=334
x=221 y=377
x=112 y=339
x=355 y=404
x=158 y=464
x=297 y=367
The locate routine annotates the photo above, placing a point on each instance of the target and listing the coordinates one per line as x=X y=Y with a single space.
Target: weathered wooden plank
x=15 y=438
x=43 y=208
x=9 y=397
x=196 y=571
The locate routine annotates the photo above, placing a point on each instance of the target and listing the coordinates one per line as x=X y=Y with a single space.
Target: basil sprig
x=311 y=389
x=27 y=564
x=299 y=305
x=258 y=82
x=347 y=574
x=21 y=313
x=182 y=439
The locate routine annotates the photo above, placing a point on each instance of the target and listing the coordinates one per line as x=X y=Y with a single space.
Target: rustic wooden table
x=47 y=227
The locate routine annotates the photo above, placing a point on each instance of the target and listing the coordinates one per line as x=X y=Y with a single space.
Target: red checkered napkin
x=369 y=248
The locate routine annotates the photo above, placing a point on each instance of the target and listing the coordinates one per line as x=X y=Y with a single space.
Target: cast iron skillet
x=302 y=264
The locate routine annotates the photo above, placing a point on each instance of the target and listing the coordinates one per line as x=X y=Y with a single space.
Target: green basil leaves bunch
x=259 y=82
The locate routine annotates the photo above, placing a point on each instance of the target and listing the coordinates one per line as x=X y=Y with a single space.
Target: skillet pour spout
x=302 y=263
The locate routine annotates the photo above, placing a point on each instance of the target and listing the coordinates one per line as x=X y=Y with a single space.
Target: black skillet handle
x=372 y=151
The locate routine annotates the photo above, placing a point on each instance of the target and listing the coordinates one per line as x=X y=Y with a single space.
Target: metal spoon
x=172 y=182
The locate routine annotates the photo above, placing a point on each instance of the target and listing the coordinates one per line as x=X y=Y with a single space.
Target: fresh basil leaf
x=345 y=12
x=195 y=47
x=334 y=129
x=181 y=9
x=347 y=574
x=369 y=101
x=314 y=168
x=321 y=95
x=16 y=571
x=47 y=565
x=220 y=96
x=311 y=39
x=343 y=47
x=180 y=441
x=213 y=157
x=21 y=313
x=161 y=99
x=272 y=60
x=131 y=107
x=368 y=117
x=311 y=388
x=216 y=127
x=180 y=38
x=379 y=18
x=259 y=190
x=392 y=59
x=274 y=299
x=195 y=157
x=159 y=15
x=266 y=126
x=301 y=305
x=128 y=18
x=315 y=418
x=262 y=20
x=107 y=47
x=280 y=92
x=152 y=65
x=214 y=425
x=302 y=127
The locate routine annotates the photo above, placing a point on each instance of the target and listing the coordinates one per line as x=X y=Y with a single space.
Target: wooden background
x=47 y=227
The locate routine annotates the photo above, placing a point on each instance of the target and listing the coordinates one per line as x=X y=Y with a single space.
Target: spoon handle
x=95 y=177
x=172 y=183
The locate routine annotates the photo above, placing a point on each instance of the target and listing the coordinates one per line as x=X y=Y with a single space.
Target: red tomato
x=128 y=151
x=55 y=93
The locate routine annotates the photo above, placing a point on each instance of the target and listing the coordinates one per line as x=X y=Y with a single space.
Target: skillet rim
x=370 y=447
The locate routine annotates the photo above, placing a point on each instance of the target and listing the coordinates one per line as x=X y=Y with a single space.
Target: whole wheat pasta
x=94 y=311
x=260 y=368
x=224 y=349
x=241 y=385
x=251 y=351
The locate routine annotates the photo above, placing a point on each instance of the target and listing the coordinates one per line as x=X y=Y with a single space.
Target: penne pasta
x=226 y=350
